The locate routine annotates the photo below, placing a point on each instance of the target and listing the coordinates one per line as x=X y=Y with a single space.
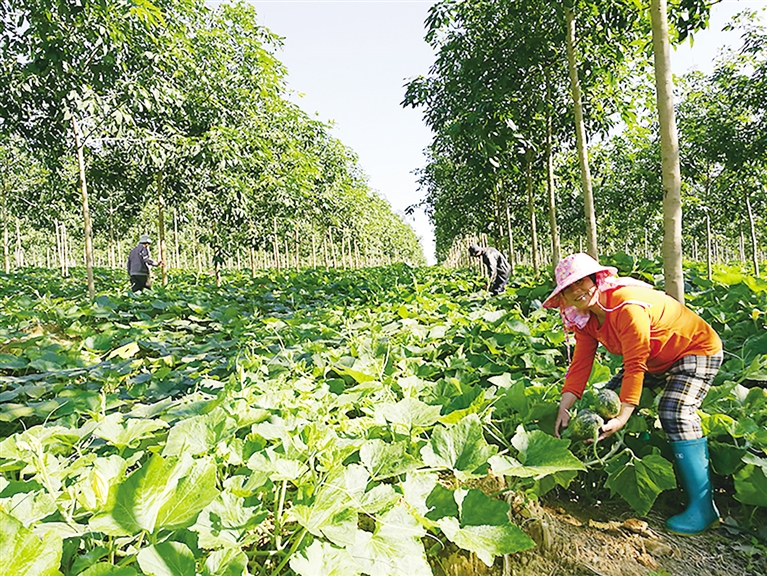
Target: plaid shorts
x=685 y=385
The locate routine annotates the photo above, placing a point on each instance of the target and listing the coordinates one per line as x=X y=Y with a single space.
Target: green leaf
x=408 y=414
x=757 y=370
x=751 y=485
x=193 y=492
x=102 y=569
x=22 y=552
x=384 y=460
x=478 y=509
x=486 y=541
x=322 y=559
x=539 y=455
x=163 y=493
x=416 y=489
x=639 y=482
x=227 y=562
x=167 y=559
x=394 y=548
x=358 y=376
x=276 y=467
x=126 y=432
x=31 y=507
x=225 y=521
x=725 y=458
x=95 y=486
x=461 y=448
x=441 y=503
x=125 y=352
x=199 y=434
x=11 y=362
x=333 y=511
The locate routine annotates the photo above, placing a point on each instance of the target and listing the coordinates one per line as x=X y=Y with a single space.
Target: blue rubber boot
x=692 y=464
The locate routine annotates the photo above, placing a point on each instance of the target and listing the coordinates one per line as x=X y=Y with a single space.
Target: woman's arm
x=613 y=425
x=576 y=378
x=563 y=415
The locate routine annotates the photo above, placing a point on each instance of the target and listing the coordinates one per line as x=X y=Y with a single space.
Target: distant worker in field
x=498 y=267
x=139 y=262
x=658 y=338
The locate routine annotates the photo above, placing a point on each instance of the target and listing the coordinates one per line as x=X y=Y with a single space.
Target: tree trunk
x=580 y=138
x=176 y=258
x=754 y=243
x=298 y=249
x=531 y=209
x=672 y=180
x=742 y=240
x=19 y=249
x=332 y=248
x=276 y=247
x=6 y=240
x=497 y=226
x=314 y=250
x=57 y=232
x=287 y=254
x=87 y=231
x=161 y=230
x=555 y=249
x=111 y=255
x=356 y=254
x=709 y=243
x=511 y=236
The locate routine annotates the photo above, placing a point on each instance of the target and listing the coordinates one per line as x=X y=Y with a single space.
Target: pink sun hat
x=573 y=268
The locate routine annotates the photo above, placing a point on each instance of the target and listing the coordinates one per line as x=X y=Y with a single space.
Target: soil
x=607 y=539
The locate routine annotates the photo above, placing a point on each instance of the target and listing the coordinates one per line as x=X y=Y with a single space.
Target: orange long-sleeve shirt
x=650 y=336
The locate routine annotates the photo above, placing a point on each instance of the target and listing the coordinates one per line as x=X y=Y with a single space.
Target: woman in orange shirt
x=656 y=335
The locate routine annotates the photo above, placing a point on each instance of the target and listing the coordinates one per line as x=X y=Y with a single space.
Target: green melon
x=607 y=404
x=585 y=425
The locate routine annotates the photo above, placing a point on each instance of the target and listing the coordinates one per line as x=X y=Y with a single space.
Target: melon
x=585 y=425
x=607 y=404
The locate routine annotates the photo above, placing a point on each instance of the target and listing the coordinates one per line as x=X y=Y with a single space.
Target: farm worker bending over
x=139 y=262
x=497 y=267
x=655 y=334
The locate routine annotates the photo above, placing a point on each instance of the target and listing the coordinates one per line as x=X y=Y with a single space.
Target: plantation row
x=323 y=421
x=119 y=117
x=558 y=127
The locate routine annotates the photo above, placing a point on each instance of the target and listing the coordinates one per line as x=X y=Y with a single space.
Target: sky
x=348 y=62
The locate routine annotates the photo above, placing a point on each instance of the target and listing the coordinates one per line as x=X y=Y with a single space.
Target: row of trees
x=121 y=116
x=557 y=120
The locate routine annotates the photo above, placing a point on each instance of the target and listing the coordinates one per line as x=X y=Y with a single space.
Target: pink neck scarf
x=574 y=318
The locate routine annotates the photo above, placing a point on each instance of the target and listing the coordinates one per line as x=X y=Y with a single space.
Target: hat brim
x=555 y=299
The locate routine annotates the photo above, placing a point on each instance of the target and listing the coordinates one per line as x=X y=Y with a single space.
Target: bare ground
x=578 y=539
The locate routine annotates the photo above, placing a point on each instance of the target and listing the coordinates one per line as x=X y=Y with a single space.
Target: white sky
x=350 y=59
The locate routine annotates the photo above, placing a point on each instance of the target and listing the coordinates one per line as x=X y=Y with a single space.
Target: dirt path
x=578 y=540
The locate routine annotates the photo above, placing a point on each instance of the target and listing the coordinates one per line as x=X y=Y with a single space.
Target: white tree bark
x=580 y=138
x=671 y=175
x=87 y=230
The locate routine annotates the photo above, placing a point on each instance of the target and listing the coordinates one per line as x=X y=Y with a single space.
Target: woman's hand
x=563 y=415
x=613 y=425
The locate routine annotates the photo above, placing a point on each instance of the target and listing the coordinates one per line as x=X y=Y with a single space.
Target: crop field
x=326 y=422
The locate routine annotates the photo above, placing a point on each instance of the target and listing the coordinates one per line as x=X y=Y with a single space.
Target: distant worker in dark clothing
x=498 y=267
x=139 y=262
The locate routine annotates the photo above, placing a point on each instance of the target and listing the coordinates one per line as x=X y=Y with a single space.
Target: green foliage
x=181 y=107
x=326 y=422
